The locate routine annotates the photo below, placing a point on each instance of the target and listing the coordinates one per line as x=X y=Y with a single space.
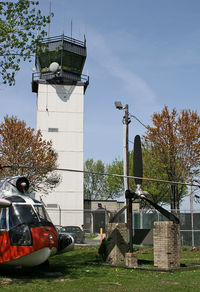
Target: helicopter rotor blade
x=113 y=220
x=163 y=211
x=137 y=160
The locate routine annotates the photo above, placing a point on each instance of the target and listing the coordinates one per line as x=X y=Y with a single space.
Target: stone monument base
x=131 y=260
x=116 y=243
x=166 y=241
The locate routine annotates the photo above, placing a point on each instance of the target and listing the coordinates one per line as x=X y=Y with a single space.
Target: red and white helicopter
x=27 y=235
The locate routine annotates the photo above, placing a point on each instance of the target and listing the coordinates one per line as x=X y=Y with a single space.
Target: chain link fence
x=189 y=224
x=142 y=220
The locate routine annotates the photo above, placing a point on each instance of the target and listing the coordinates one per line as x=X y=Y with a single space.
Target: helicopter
x=27 y=236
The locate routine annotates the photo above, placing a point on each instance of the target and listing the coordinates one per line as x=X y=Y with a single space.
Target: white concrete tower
x=60 y=88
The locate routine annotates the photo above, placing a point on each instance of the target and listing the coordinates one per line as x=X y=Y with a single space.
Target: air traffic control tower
x=60 y=88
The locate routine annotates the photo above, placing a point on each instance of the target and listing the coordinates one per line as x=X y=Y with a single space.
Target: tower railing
x=56 y=78
x=65 y=38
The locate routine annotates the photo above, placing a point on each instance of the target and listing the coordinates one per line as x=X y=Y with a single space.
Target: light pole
x=126 y=122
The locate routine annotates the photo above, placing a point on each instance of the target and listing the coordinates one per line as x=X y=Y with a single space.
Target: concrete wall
x=109 y=205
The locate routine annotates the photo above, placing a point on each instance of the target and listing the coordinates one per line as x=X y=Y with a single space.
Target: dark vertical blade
x=137 y=160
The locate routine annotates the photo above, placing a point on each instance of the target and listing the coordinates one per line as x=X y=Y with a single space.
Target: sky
x=144 y=53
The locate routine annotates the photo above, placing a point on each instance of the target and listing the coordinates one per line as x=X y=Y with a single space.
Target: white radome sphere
x=54 y=67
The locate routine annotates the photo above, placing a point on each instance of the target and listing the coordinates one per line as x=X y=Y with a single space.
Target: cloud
x=101 y=49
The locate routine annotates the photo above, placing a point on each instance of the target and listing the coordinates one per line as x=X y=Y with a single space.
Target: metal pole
x=191 y=197
x=173 y=199
x=129 y=196
x=192 y=214
x=127 y=165
x=124 y=157
x=131 y=225
x=124 y=168
x=192 y=222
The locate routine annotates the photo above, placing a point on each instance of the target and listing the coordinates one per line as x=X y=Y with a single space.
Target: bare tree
x=20 y=146
x=175 y=139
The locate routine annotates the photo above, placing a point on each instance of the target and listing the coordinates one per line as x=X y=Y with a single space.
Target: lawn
x=83 y=270
x=90 y=236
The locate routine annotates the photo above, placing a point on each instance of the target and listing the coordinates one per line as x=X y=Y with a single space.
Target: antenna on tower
x=63 y=25
x=79 y=33
x=71 y=28
x=49 y=19
x=85 y=31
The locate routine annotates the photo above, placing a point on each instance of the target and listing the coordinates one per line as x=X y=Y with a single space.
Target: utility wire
x=97 y=173
x=16 y=54
x=139 y=121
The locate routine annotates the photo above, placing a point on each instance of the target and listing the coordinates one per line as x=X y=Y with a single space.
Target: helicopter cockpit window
x=3 y=224
x=13 y=218
x=16 y=199
x=42 y=214
x=21 y=214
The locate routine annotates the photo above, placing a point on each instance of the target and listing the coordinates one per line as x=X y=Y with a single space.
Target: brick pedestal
x=131 y=260
x=166 y=239
x=116 y=242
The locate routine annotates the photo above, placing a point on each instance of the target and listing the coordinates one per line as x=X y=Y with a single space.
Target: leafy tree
x=94 y=184
x=22 y=30
x=20 y=146
x=111 y=187
x=98 y=186
x=114 y=185
x=158 y=192
x=175 y=140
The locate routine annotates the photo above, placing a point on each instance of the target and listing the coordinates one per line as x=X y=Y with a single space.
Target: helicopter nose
x=65 y=242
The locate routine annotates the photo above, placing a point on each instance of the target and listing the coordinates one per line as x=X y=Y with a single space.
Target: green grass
x=90 y=236
x=83 y=270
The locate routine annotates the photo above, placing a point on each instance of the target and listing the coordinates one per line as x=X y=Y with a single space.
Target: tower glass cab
x=69 y=53
x=60 y=113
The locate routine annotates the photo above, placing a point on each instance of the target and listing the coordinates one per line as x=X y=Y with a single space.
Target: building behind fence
x=98 y=213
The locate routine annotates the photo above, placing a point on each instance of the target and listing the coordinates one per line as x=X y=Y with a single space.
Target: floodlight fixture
x=118 y=105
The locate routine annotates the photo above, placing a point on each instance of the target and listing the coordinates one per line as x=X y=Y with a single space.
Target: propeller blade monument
x=138 y=172
x=139 y=193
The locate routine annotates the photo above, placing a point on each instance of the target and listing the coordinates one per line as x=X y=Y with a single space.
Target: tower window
x=52 y=129
x=52 y=205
